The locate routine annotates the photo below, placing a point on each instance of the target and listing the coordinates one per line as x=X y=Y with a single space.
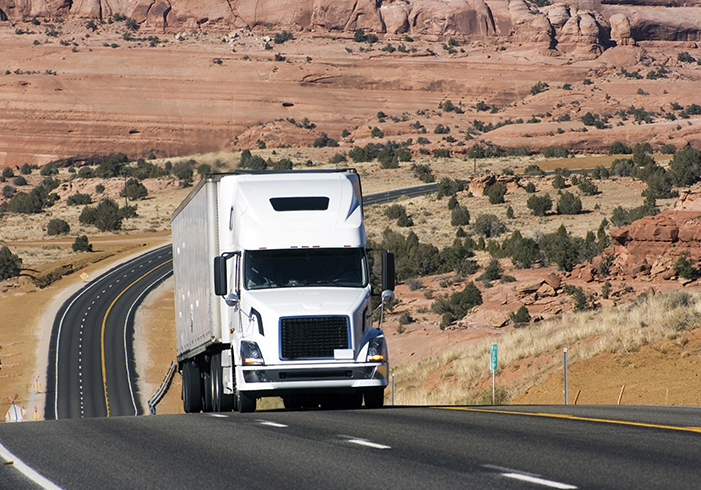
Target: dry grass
x=650 y=320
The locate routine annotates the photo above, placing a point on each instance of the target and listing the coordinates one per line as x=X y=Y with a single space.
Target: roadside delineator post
x=565 y=372
x=493 y=358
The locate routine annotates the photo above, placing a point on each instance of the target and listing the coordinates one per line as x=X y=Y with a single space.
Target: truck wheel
x=220 y=401
x=246 y=403
x=374 y=398
x=192 y=387
x=208 y=394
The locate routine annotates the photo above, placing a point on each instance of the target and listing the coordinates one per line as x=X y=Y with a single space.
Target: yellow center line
x=104 y=322
x=582 y=419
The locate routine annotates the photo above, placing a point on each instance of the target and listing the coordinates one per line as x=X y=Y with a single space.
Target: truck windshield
x=335 y=267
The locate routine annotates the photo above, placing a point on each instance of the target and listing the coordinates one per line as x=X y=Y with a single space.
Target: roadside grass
x=465 y=373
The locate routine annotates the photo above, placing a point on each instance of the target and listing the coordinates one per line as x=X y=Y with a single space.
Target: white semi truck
x=273 y=295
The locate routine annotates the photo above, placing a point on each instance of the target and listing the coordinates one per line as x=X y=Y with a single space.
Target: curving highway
x=619 y=447
x=91 y=363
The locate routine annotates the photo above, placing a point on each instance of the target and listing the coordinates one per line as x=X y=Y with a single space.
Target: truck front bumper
x=300 y=378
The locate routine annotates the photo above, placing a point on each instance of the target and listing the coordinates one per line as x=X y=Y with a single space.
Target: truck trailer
x=273 y=292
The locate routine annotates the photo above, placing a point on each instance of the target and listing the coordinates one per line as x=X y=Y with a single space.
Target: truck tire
x=220 y=401
x=374 y=398
x=192 y=387
x=207 y=392
x=245 y=402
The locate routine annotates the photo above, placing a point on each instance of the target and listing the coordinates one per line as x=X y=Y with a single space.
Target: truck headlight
x=376 y=350
x=250 y=354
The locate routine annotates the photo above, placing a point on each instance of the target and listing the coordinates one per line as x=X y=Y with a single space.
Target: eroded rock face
x=651 y=245
x=620 y=30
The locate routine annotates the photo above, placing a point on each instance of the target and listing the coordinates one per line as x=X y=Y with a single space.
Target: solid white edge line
x=539 y=481
x=26 y=470
x=363 y=442
x=273 y=424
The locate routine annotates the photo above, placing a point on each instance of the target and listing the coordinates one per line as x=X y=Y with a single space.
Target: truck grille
x=313 y=337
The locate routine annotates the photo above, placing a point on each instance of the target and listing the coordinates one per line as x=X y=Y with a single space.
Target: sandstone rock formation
x=651 y=246
x=578 y=29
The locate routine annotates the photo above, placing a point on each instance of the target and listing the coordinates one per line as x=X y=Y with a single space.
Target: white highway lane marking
x=272 y=424
x=26 y=470
x=539 y=481
x=218 y=415
x=365 y=442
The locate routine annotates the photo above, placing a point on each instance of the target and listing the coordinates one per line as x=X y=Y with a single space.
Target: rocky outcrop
x=651 y=245
x=621 y=32
x=530 y=24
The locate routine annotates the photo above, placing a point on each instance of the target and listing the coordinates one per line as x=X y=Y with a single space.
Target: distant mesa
x=582 y=29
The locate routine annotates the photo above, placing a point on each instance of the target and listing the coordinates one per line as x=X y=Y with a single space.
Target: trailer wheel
x=192 y=387
x=220 y=401
x=374 y=397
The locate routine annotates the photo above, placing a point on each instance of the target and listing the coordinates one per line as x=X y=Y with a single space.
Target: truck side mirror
x=220 y=282
x=387 y=271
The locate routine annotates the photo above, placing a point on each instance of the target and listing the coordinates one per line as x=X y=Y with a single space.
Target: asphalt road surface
x=91 y=363
x=395 y=448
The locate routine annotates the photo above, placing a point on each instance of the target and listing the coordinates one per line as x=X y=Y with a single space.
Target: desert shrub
x=534 y=170
x=26 y=169
x=530 y=187
x=202 y=170
x=441 y=153
x=580 y=299
x=476 y=151
x=453 y=202
x=19 y=181
x=459 y=216
x=81 y=244
x=338 y=158
x=569 y=204
x=668 y=149
x=587 y=187
x=492 y=272
x=10 y=264
x=31 y=203
x=622 y=216
x=685 y=57
x=559 y=182
x=458 y=304
x=510 y=213
x=57 y=227
x=423 y=172
x=685 y=167
x=618 y=148
x=86 y=172
x=521 y=315
x=106 y=216
x=282 y=37
x=623 y=167
x=600 y=172
x=49 y=169
x=8 y=191
x=78 y=199
x=99 y=188
x=539 y=205
x=539 y=87
x=415 y=284
x=684 y=267
x=134 y=190
x=525 y=252
x=499 y=396
x=561 y=248
x=112 y=167
x=495 y=192
x=555 y=152
x=488 y=226
x=8 y=172
x=659 y=186
x=448 y=187
x=395 y=211
x=405 y=319
x=184 y=172
x=127 y=212
x=414 y=259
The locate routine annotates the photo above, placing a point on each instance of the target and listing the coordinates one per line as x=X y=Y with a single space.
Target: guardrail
x=153 y=401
